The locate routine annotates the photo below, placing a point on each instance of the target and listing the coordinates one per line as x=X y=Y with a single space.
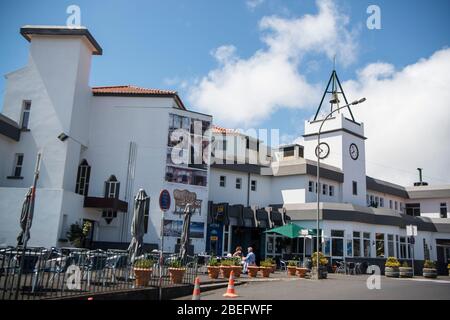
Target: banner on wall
x=173 y=228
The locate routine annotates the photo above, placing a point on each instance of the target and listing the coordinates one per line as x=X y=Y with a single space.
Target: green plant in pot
x=292 y=267
x=143 y=271
x=392 y=267
x=176 y=271
x=405 y=270
x=213 y=268
x=321 y=271
x=429 y=269
x=448 y=269
x=266 y=268
x=226 y=266
x=273 y=264
x=237 y=266
x=78 y=234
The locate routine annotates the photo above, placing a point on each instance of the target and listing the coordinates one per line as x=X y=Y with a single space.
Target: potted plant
x=448 y=269
x=176 y=271
x=252 y=271
x=237 y=266
x=213 y=268
x=273 y=264
x=266 y=268
x=226 y=265
x=291 y=267
x=143 y=271
x=406 y=271
x=321 y=271
x=392 y=266
x=77 y=234
x=429 y=269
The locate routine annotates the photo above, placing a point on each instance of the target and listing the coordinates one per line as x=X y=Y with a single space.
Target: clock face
x=354 y=152
x=322 y=150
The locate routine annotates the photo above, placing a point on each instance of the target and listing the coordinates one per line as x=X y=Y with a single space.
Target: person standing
x=249 y=259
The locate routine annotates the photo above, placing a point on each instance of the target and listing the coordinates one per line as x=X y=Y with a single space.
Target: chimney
x=421 y=182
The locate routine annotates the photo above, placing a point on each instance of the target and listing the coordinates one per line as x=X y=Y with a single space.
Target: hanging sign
x=164 y=200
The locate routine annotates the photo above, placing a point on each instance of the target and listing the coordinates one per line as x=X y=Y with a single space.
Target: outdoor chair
x=358 y=268
x=341 y=268
x=116 y=263
x=96 y=262
x=351 y=268
x=283 y=265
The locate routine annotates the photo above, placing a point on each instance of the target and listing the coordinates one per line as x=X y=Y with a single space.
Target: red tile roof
x=130 y=90
x=218 y=129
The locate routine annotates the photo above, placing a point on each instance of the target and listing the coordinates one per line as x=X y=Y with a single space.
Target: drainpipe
x=248 y=189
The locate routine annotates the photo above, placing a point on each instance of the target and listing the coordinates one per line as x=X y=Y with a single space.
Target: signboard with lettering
x=164 y=200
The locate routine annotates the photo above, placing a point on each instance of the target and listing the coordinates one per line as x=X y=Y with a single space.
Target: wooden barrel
x=406 y=272
x=391 y=272
x=429 y=273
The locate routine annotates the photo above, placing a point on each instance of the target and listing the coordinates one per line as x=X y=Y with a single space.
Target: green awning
x=291 y=230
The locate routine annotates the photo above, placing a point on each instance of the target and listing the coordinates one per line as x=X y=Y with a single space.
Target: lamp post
x=318 y=151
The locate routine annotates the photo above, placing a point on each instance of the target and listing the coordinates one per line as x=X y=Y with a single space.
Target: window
x=413 y=209
x=83 y=175
x=403 y=248
x=253 y=185
x=368 y=200
x=288 y=152
x=379 y=244
x=355 y=188
x=356 y=243
x=238 y=183
x=324 y=189
x=443 y=210
x=310 y=186
x=391 y=245
x=26 y=107
x=382 y=202
x=337 y=243
x=112 y=187
x=222 y=181
x=224 y=145
x=377 y=202
x=390 y=204
x=331 y=191
x=316 y=187
x=366 y=244
x=396 y=205
x=18 y=163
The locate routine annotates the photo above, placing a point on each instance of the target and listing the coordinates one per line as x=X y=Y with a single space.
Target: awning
x=291 y=230
x=262 y=218
x=235 y=215
x=249 y=217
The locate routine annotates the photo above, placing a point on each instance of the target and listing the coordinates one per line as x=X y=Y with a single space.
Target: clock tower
x=342 y=143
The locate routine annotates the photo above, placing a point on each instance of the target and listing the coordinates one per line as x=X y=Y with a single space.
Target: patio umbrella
x=137 y=226
x=184 y=240
x=291 y=230
x=26 y=217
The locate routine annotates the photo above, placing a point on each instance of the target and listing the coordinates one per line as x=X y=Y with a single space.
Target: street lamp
x=318 y=170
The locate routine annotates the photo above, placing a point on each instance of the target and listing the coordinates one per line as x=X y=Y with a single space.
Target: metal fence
x=40 y=273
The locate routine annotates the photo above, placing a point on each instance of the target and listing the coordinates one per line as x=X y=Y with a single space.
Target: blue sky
x=168 y=44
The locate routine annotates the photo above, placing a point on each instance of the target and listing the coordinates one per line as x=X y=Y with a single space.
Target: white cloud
x=252 y=4
x=242 y=92
x=406 y=119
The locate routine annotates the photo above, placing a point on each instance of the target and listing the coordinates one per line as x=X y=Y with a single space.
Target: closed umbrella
x=26 y=218
x=184 y=241
x=141 y=203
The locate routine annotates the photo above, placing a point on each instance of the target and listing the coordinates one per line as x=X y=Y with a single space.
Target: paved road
x=338 y=287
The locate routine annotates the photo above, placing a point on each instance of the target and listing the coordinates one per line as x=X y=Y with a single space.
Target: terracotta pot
x=252 y=271
x=213 y=272
x=301 y=272
x=265 y=271
x=406 y=272
x=143 y=276
x=237 y=271
x=430 y=273
x=392 y=272
x=226 y=270
x=291 y=270
x=176 y=275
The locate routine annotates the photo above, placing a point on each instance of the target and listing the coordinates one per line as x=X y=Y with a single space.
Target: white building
x=99 y=147
x=361 y=218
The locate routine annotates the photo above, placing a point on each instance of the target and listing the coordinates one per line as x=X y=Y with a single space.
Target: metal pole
x=28 y=226
x=161 y=256
x=304 y=256
x=412 y=263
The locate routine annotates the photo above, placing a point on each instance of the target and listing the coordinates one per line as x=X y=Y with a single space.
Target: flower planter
x=323 y=273
x=176 y=275
x=274 y=268
x=213 y=272
x=143 y=276
x=291 y=270
x=226 y=270
x=252 y=271
x=265 y=271
x=406 y=272
x=392 y=272
x=237 y=270
x=430 y=273
x=301 y=272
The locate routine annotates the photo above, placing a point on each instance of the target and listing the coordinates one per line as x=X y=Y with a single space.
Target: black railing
x=68 y=272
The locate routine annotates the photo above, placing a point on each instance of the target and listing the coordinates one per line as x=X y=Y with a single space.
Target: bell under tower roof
x=334 y=88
